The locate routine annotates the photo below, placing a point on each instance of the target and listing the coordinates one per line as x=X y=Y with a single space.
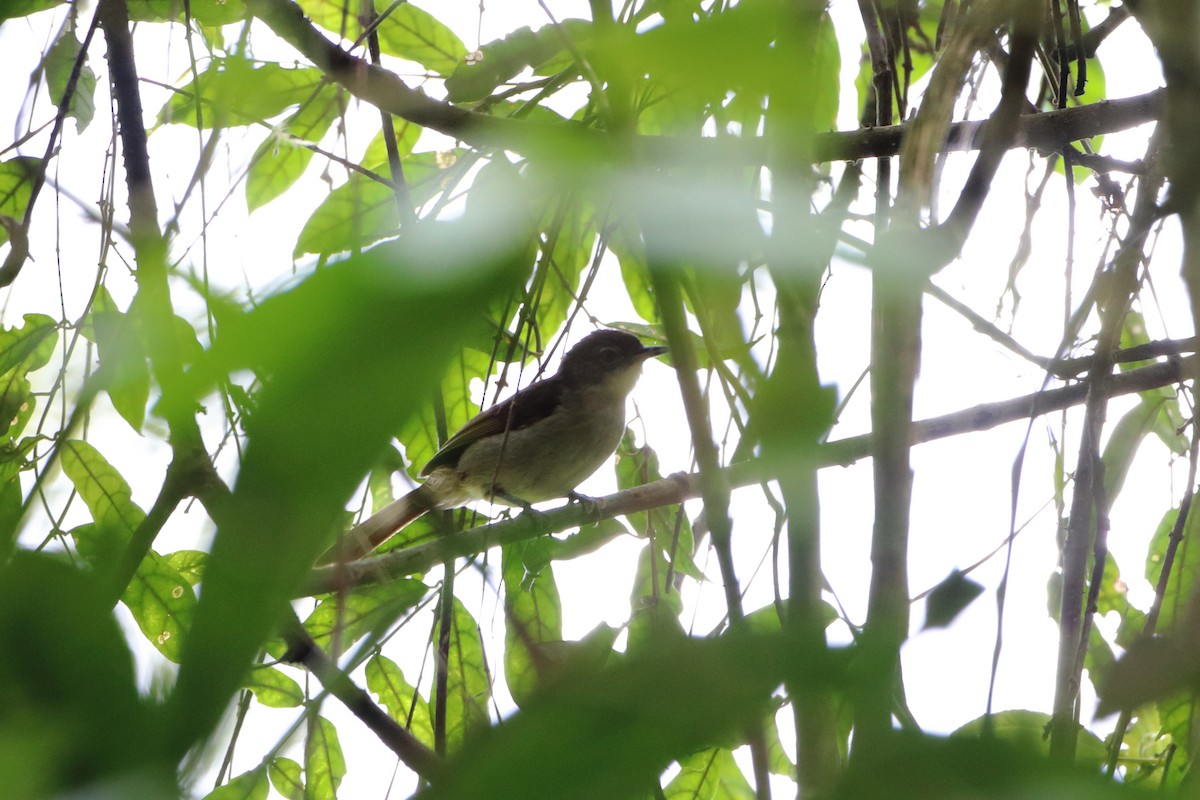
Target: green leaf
x=281 y=159
x=1149 y=750
x=250 y=785
x=70 y=715
x=402 y=700
x=1178 y=716
x=407 y=133
x=235 y=91
x=1028 y=729
x=274 y=689
x=17 y=176
x=570 y=239
x=318 y=348
x=362 y=211
x=159 y=598
x=1185 y=569
x=419 y=434
x=1124 y=441
x=532 y=618
x=345 y=618
x=655 y=604
x=162 y=603
x=11 y=507
x=636 y=277
x=709 y=773
x=102 y=489
x=30 y=346
x=287 y=777
x=189 y=563
x=949 y=599
x=60 y=62
x=610 y=732
x=335 y=16
x=12 y=9
x=588 y=539
x=668 y=525
x=1170 y=420
x=505 y=58
x=324 y=764
x=205 y=12
x=413 y=34
x=22 y=350
x=468 y=689
x=122 y=357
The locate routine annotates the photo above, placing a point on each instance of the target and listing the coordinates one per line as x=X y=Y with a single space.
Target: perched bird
x=537 y=445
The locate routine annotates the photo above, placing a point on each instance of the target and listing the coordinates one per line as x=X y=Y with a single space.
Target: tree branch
x=1047 y=131
x=682 y=486
x=401 y=741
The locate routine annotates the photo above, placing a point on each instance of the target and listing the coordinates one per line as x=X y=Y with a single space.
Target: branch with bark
x=683 y=486
x=1046 y=132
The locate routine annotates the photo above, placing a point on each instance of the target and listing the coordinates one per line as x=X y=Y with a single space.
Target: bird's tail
x=379 y=527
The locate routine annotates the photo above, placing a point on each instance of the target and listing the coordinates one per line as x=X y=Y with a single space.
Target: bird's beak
x=651 y=352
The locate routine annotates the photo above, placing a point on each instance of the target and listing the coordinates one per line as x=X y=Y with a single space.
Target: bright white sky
x=962 y=496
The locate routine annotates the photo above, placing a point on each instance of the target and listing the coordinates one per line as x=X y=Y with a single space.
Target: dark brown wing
x=527 y=406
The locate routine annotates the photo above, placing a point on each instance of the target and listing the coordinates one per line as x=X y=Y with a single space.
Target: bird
x=537 y=445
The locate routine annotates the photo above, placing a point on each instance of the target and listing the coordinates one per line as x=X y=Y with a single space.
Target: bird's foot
x=589 y=504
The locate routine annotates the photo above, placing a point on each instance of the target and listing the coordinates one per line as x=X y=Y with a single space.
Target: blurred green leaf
x=588 y=539
x=410 y=33
x=189 y=563
x=1170 y=420
x=122 y=357
x=918 y=767
x=70 y=714
x=60 y=62
x=205 y=12
x=949 y=599
x=610 y=732
x=282 y=158
x=569 y=239
x=235 y=91
x=362 y=211
x=709 y=773
x=419 y=434
x=655 y=605
x=1178 y=715
x=505 y=58
x=324 y=417
x=1185 y=568
x=22 y=350
x=23 y=8
x=407 y=133
x=635 y=276
x=274 y=689
x=17 y=176
x=1152 y=669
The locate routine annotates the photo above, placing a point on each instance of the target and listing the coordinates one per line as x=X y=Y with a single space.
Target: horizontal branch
x=1047 y=131
x=682 y=486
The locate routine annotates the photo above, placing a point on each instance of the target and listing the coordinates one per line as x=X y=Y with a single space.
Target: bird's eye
x=608 y=355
